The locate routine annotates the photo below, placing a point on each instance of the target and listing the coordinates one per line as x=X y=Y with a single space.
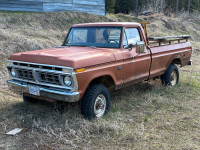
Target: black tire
x=94 y=93
x=28 y=99
x=171 y=76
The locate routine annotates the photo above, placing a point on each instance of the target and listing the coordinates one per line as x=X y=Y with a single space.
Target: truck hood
x=75 y=57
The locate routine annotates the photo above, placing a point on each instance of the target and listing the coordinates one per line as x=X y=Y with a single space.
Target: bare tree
x=154 y=6
x=158 y=5
x=189 y=2
x=136 y=9
x=177 y=3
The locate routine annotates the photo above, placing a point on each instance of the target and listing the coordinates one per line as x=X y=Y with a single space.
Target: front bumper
x=45 y=92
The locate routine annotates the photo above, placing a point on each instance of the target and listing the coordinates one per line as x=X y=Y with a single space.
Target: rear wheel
x=96 y=101
x=171 y=76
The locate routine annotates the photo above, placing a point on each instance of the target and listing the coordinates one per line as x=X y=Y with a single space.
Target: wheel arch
x=177 y=61
x=106 y=80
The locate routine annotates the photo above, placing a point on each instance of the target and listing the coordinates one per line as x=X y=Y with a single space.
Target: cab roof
x=121 y=24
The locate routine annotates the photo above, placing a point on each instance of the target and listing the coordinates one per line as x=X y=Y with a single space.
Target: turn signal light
x=80 y=70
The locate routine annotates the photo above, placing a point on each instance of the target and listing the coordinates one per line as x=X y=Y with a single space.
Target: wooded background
x=165 y=6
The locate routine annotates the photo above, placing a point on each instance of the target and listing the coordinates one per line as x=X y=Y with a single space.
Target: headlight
x=67 y=81
x=13 y=73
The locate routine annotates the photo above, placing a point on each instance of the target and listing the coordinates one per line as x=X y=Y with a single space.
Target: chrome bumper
x=66 y=96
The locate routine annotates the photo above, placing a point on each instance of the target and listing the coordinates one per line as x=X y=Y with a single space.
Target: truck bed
x=166 y=49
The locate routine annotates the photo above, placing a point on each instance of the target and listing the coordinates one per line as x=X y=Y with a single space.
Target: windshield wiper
x=84 y=46
x=92 y=46
x=79 y=46
x=65 y=46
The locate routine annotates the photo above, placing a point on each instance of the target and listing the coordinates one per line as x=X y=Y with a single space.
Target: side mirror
x=130 y=46
x=140 y=46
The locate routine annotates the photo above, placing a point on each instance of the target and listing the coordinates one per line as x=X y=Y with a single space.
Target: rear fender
x=175 y=59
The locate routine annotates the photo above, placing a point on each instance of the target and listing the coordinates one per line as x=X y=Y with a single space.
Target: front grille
x=43 y=77
x=48 y=78
x=24 y=74
x=40 y=74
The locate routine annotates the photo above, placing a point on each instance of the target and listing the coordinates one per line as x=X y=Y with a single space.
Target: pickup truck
x=93 y=58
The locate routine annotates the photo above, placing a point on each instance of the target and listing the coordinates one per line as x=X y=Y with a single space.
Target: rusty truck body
x=94 y=57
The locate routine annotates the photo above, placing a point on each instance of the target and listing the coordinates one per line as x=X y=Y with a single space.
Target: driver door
x=136 y=66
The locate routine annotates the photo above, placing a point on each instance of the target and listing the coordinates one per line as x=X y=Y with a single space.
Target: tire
x=171 y=76
x=28 y=99
x=95 y=102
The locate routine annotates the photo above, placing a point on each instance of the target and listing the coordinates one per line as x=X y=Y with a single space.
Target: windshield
x=108 y=37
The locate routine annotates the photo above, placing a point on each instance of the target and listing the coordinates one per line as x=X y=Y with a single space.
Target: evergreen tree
x=110 y=6
x=195 y=5
x=169 y=6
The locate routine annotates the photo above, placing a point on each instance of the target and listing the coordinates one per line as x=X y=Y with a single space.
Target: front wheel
x=171 y=76
x=95 y=102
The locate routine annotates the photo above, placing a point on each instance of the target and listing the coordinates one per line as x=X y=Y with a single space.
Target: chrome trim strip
x=58 y=92
x=44 y=84
x=75 y=82
x=34 y=75
x=41 y=70
x=46 y=93
x=10 y=81
x=40 y=64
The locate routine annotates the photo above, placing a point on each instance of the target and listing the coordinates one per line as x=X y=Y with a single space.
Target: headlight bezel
x=67 y=80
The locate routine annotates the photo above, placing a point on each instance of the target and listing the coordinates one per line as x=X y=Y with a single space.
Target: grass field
x=143 y=116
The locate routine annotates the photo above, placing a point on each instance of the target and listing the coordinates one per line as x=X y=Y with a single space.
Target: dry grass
x=143 y=116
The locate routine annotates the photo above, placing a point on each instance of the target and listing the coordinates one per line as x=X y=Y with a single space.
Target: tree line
x=165 y=6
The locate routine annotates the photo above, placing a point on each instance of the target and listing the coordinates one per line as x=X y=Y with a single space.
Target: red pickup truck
x=94 y=57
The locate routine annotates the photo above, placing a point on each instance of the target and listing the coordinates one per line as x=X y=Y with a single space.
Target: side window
x=131 y=36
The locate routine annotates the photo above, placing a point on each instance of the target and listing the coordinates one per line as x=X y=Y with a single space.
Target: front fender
x=111 y=69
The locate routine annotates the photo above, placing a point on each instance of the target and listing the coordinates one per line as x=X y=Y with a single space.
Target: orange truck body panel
x=100 y=62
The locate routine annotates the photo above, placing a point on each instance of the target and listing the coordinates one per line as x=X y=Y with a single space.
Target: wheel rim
x=173 y=78
x=100 y=105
